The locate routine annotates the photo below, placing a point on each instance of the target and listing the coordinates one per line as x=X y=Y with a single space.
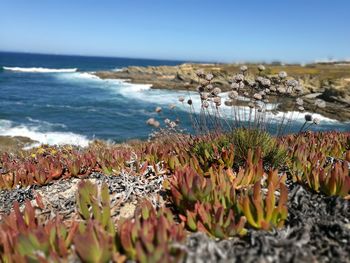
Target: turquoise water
x=54 y=99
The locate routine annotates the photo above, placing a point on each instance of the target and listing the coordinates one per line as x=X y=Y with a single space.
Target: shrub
x=252 y=139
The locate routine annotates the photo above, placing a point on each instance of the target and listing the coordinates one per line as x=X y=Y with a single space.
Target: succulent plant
x=151 y=235
x=265 y=212
x=94 y=204
x=24 y=239
x=312 y=157
x=187 y=187
x=337 y=180
x=93 y=243
x=214 y=220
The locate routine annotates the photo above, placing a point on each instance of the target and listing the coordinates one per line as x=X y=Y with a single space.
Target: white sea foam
x=143 y=92
x=166 y=97
x=40 y=69
x=128 y=89
x=8 y=128
x=118 y=69
x=85 y=75
x=119 y=86
x=78 y=76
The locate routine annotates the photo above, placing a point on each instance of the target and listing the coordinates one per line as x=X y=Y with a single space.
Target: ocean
x=55 y=99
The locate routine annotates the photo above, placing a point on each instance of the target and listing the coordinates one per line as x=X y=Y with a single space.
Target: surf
x=40 y=70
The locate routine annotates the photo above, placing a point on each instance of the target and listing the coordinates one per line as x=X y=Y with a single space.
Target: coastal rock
x=330 y=82
x=338 y=94
x=14 y=143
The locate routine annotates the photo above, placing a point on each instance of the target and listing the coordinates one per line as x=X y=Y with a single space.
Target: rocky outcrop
x=14 y=144
x=330 y=82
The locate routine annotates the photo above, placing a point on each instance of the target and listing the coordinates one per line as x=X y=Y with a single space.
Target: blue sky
x=261 y=30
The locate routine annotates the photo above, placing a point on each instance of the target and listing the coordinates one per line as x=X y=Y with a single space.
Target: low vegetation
x=224 y=183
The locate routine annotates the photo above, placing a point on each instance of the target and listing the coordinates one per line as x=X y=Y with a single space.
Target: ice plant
x=187 y=187
x=93 y=243
x=151 y=235
x=214 y=220
x=95 y=204
x=24 y=239
x=265 y=212
x=337 y=180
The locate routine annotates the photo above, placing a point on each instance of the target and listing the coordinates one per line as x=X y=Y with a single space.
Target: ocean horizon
x=55 y=99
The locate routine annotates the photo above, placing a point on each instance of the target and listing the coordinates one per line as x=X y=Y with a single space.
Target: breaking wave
x=36 y=133
x=40 y=70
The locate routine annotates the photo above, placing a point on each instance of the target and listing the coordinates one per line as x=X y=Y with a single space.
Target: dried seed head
x=289 y=90
x=281 y=89
x=166 y=121
x=261 y=67
x=235 y=86
x=204 y=95
x=239 y=77
x=200 y=73
x=205 y=104
x=233 y=95
x=273 y=89
x=320 y=103
x=282 y=74
x=299 y=101
x=209 y=77
x=158 y=109
x=244 y=68
x=217 y=100
x=246 y=94
x=150 y=121
x=241 y=85
x=257 y=96
x=267 y=91
x=308 y=117
x=181 y=98
x=259 y=79
x=200 y=88
x=209 y=87
x=266 y=82
x=216 y=91
x=292 y=82
x=172 y=124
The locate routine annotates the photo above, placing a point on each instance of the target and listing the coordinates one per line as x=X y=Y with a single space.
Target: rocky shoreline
x=14 y=144
x=330 y=82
